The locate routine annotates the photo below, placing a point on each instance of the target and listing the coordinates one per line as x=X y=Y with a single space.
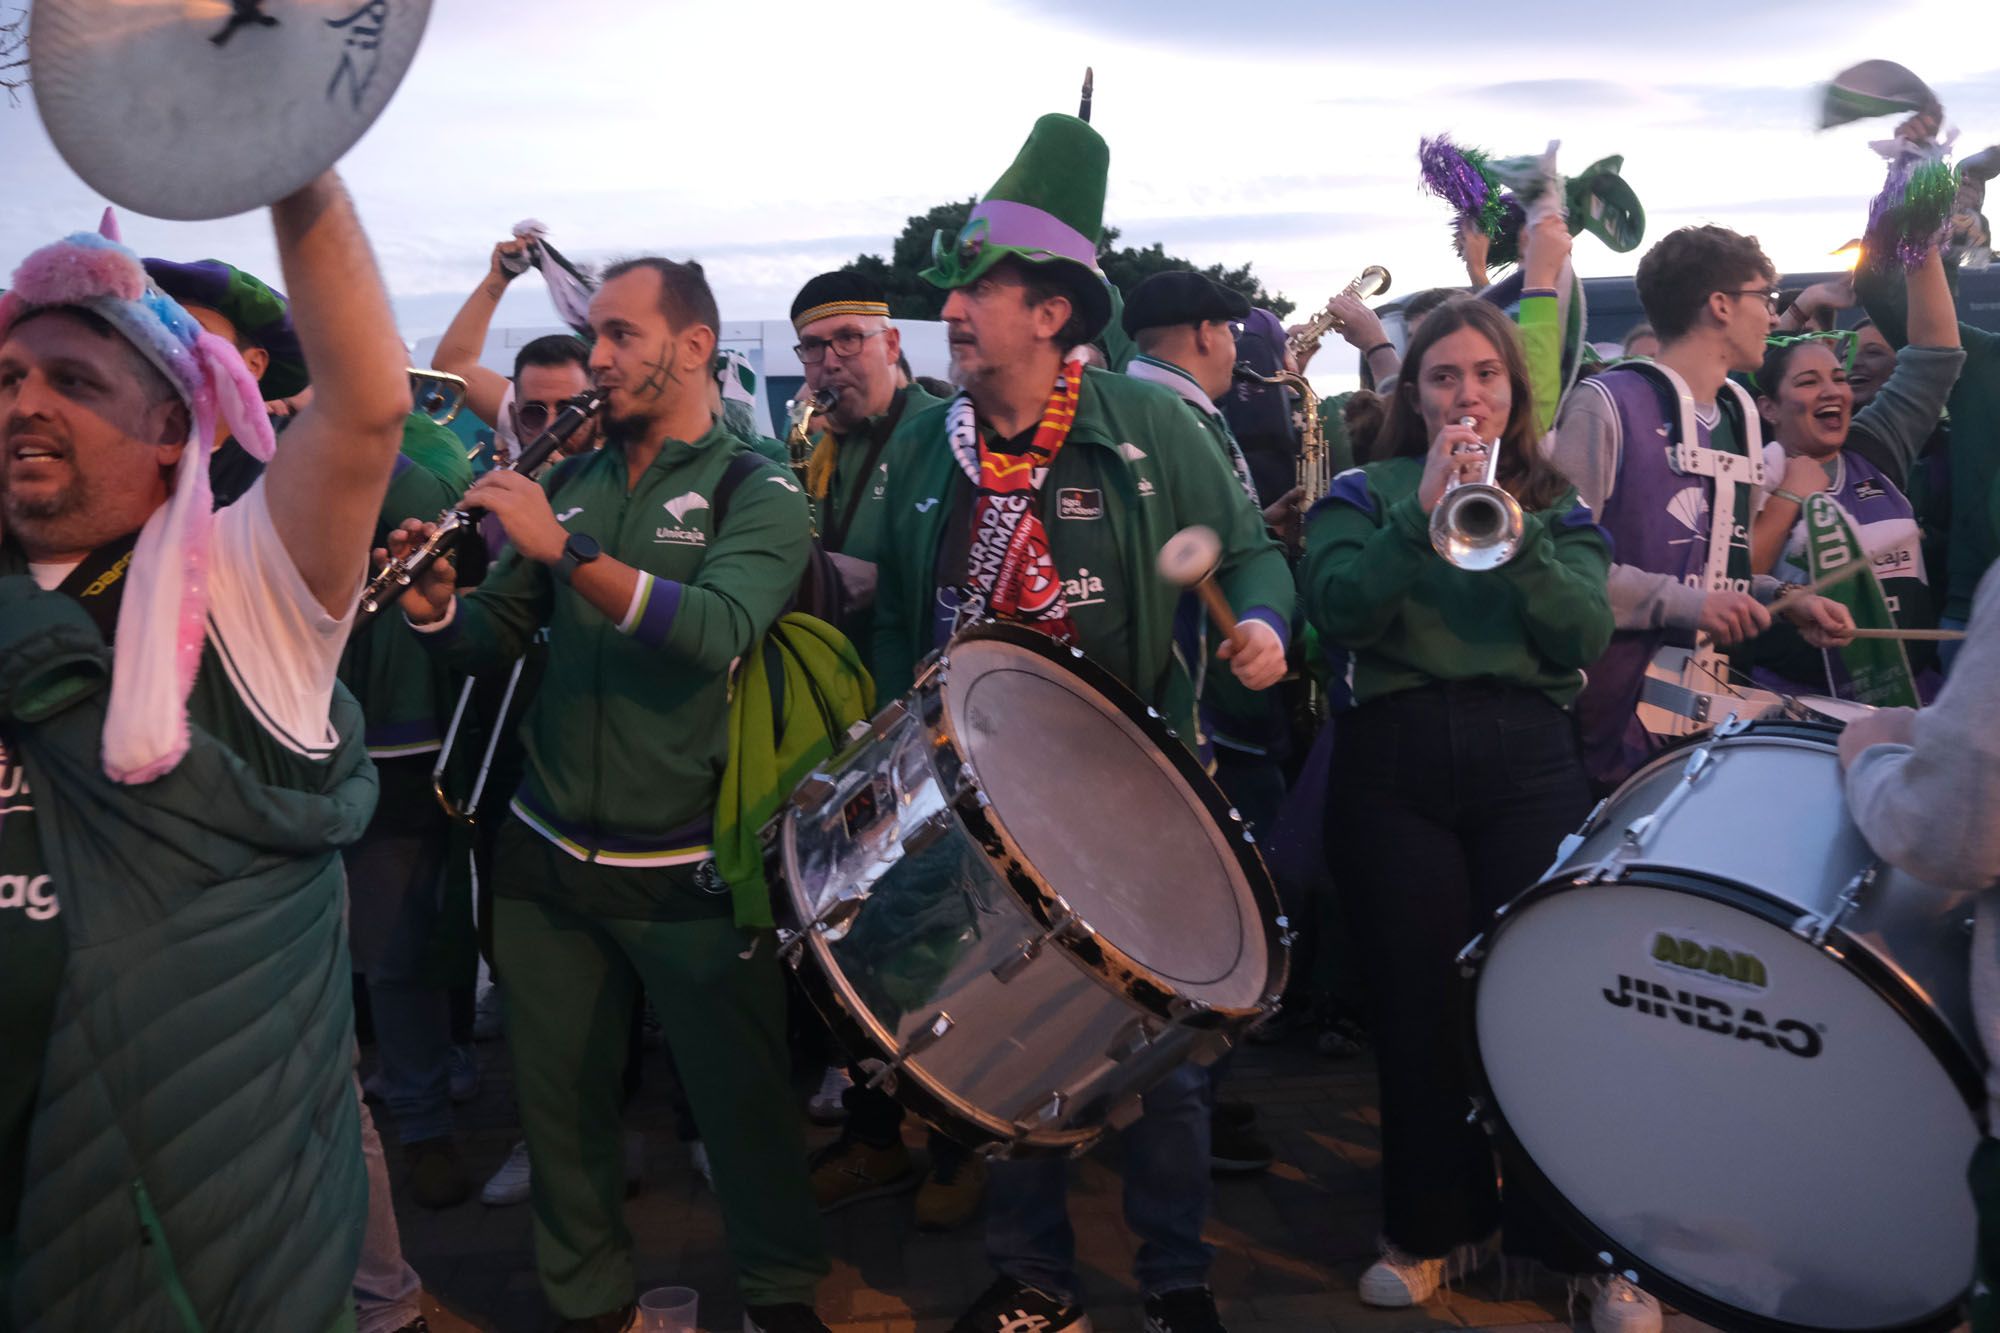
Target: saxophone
x=1315 y=463
x=1373 y=281
x=798 y=430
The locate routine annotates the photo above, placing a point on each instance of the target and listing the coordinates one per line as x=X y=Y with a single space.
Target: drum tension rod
x=1633 y=840
x=1031 y=949
x=926 y=1037
x=1816 y=928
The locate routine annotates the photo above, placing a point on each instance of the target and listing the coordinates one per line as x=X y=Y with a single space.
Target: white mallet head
x=1190 y=556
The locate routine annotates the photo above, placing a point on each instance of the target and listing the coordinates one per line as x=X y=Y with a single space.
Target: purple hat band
x=1026 y=227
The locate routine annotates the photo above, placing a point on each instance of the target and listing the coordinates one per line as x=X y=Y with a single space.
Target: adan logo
x=1705 y=1013
x=1684 y=954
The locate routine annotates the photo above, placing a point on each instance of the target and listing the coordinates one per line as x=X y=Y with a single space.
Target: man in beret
x=257 y=321
x=1041 y=495
x=847 y=345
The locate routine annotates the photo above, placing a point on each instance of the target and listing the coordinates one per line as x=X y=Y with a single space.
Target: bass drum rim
x=1098 y=956
x=1868 y=967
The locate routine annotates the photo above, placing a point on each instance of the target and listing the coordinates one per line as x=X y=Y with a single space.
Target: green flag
x=1878 y=671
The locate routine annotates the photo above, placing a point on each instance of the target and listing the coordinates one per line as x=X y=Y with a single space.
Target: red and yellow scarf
x=1009 y=571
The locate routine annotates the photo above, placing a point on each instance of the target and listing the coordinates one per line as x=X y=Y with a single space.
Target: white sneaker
x=698 y=1159
x=1620 y=1307
x=509 y=1184
x=1396 y=1281
x=486 y=1017
x=825 y=1107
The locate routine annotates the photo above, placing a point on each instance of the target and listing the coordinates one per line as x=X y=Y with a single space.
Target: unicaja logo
x=28 y=893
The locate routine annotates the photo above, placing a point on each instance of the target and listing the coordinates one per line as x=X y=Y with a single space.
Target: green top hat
x=1047 y=208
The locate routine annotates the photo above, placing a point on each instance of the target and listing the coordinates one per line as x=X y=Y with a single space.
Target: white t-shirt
x=278 y=645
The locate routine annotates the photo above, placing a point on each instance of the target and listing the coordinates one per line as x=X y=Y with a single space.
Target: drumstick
x=1189 y=559
x=1827 y=580
x=1930 y=635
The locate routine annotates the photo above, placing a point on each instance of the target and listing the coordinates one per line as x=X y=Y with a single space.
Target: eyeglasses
x=847 y=342
x=1770 y=296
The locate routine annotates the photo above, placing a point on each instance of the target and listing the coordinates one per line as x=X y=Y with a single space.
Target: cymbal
x=191 y=109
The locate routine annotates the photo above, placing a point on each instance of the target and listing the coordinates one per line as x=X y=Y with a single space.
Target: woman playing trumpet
x=1458 y=771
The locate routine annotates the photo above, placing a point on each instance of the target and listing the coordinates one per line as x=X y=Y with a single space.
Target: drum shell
x=1757 y=851
x=1053 y=1032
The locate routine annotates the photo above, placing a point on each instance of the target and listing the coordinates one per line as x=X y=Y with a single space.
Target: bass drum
x=1739 y=1048
x=1020 y=902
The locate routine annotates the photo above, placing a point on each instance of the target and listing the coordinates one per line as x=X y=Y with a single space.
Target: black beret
x=838 y=293
x=1180 y=297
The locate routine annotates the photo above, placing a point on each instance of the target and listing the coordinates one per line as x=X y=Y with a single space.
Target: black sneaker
x=1189 y=1310
x=1237 y=1147
x=792 y=1317
x=1014 y=1307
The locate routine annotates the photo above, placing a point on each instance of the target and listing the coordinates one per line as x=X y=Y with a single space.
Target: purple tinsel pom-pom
x=1450 y=176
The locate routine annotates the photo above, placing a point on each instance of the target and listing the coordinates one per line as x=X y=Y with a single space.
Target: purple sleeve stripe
x=651 y=614
x=1538 y=291
x=1273 y=619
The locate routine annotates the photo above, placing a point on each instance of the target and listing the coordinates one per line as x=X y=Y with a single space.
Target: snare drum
x=1020 y=902
x=1739 y=1048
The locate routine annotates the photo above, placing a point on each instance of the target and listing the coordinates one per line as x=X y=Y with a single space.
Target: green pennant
x=1877 y=669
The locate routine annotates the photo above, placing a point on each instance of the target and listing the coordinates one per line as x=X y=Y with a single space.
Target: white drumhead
x=160 y=118
x=1731 y=1105
x=1102 y=815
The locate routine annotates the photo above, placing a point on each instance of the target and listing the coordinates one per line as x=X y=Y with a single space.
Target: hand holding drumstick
x=1255 y=651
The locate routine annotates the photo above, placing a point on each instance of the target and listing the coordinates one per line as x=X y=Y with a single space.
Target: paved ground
x=1290 y=1243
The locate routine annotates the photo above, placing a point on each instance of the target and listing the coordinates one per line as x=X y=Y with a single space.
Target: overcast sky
x=774 y=140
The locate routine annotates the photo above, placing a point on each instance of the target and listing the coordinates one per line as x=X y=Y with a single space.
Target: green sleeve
x=1359 y=568
x=495 y=621
x=1885 y=296
x=1540 y=321
x=751 y=569
x=1560 y=573
x=1206 y=490
x=899 y=577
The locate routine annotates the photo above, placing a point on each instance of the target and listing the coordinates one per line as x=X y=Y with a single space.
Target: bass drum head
x=161 y=112
x=1105 y=818
x=1741 y=1114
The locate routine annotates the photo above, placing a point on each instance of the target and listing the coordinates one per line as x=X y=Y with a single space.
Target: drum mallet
x=1189 y=559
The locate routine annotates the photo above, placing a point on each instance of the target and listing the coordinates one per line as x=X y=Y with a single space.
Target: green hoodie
x=627 y=738
x=1373 y=583
x=1135 y=469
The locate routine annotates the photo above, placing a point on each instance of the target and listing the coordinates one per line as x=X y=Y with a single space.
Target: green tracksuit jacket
x=627 y=738
x=1136 y=469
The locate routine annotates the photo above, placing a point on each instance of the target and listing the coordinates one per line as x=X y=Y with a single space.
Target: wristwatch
x=580 y=549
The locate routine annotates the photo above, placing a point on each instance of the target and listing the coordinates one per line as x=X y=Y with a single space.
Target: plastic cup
x=669 y=1310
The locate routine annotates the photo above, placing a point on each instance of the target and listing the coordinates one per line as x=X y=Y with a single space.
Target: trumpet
x=399 y=573
x=1372 y=281
x=1315 y=462
x=437 y=395
x=1477 y=526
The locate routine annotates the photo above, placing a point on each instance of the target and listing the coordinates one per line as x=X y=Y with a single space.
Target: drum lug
x=1013 y=967
x=888 y=719
x=1636 y=834
x=1814 y=929
x=815 y=788
x=838 y=918
x=1185 y=1008
x=1137 y=1037
x=1286 y=935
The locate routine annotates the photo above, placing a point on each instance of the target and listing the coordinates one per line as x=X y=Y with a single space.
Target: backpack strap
x=740 y=468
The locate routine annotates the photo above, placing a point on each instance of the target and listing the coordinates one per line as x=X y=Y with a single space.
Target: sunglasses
x=533 y=416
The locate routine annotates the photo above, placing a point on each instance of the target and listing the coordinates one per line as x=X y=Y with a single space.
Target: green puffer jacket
x=1135 y=469
x=195 y=1157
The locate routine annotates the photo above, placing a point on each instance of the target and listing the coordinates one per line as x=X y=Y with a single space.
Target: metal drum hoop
x=1100 y=958
x=1888 y=985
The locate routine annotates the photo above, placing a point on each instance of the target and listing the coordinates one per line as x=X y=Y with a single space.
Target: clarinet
x=399 y=573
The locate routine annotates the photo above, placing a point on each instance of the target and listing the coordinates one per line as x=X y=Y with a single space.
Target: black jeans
x=1445 y=802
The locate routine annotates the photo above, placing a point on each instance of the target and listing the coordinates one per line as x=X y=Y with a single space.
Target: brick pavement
x=1289 y=1243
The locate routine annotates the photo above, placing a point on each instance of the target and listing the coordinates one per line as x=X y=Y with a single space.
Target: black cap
x=838 y=293
x=1166 y=299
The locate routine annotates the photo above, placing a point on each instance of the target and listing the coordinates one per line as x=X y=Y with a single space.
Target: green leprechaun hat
x=1047 y=208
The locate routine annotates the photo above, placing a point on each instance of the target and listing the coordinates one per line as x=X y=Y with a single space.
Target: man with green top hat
x=1042 y=495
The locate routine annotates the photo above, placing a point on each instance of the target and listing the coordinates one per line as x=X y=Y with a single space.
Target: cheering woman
x=1458 y=771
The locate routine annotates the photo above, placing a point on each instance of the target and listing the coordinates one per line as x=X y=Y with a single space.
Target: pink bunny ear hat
x=163 y=616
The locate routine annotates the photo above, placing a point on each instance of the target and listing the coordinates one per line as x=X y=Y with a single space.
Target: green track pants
x=569 y=980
